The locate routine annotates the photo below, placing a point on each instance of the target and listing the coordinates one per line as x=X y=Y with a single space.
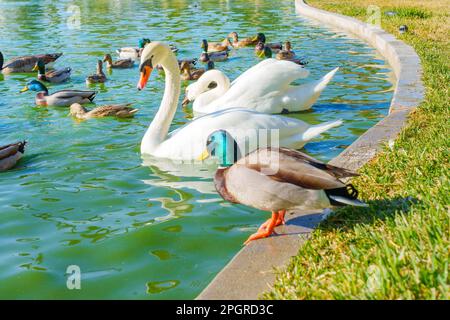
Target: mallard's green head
x=35 y=85
x=267 y=52
x=143 y=42
x=40 y=67
x=261 y=37
x=221 y=144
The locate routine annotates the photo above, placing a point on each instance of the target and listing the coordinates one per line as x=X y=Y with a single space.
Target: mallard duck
x=276 y=180
x=188 y=73
x=236 y=43
x=277 y=46
x=10 y=154
x=26 y=63
x=98 y=77
x=119 y=64
x=61 y=98
x=135 y=53
x=212 y=56
x=218 y=46
x=286 y=53
x=115 y=110
x=263 y=51
x=53 y=76
x=132 y=52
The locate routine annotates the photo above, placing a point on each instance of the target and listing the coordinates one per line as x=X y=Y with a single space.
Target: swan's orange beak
x=145 y=75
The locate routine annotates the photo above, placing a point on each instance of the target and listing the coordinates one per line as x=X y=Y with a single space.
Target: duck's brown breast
x=221 y=187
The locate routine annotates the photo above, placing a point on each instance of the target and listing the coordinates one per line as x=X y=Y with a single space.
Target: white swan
x=187 y=142
x=264 y=88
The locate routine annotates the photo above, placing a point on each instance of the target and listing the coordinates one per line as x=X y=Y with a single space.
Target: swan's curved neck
x=159 y=127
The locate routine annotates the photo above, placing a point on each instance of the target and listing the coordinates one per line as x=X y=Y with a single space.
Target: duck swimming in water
x=61 y=98
x=263 y=51
x=212 y=56
x=189 y=73
x=52 y=76
x=26 y=64
x=11 y=154
x=99 y=76
x=118 y=64
x=113 y=110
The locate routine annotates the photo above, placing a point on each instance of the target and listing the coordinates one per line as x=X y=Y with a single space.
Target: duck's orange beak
x=145 y=75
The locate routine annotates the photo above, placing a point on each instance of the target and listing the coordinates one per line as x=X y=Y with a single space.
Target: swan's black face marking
x=145 y=68
x=146 y=63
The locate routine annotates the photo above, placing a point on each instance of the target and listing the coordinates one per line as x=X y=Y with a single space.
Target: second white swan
x=187 y=142
x=265 y=88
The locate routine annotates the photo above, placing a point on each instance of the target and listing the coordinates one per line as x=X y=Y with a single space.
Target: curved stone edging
x=250 y=272
x=408 y=93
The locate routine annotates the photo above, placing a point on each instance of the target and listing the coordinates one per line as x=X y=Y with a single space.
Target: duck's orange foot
x=279 y=221
x=266 y=229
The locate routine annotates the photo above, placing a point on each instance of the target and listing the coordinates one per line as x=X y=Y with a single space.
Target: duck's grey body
x=10 y=154
x=26 y=64
x=65 y=98
x=275 y=179
x=56 y=76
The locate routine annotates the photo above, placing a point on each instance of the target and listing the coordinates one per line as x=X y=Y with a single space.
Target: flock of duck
x=254 y=101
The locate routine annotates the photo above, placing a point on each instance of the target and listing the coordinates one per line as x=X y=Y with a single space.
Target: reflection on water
x=144 y=228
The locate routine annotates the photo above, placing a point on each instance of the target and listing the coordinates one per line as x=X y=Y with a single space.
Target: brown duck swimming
x=236 y=43
x=99 y=76
x=219 y=46
x=10 y=155
x=286 y=53
x=118 y=64
x=26 y=64
x=114 y=110
x=276 y=180
x=189 y=73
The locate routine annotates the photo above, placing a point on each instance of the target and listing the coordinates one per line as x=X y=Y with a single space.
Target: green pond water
x=83 y=195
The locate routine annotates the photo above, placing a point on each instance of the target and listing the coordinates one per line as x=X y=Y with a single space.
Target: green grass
x=398 y=247
x=412 y=13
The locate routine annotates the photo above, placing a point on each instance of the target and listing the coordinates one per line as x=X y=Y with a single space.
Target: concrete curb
x=250 y=272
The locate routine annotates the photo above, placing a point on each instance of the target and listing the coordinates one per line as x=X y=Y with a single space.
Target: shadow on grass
x=347 y=217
